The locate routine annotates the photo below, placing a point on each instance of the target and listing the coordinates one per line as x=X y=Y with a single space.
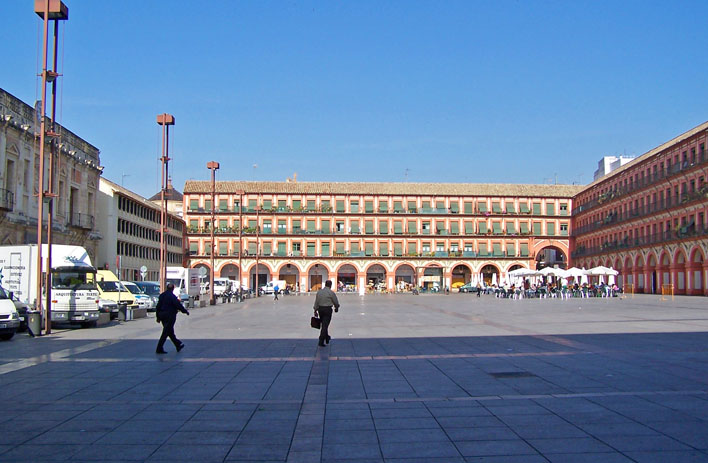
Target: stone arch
x=432 y=278
x=680 y=269
x=461 y=274
x=347 y=276
x=654 y=274
x=697 y=278
x=490 y=273
x=317 y=274
x=229 y=270
x=265 y=271
x=290 y=273
x=376 y=274
x=405 y=277
x=551 y=256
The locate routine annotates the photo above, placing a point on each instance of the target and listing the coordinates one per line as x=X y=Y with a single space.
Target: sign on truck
x=73 y=293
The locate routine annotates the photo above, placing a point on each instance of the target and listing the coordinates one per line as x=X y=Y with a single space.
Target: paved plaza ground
x=428 y=378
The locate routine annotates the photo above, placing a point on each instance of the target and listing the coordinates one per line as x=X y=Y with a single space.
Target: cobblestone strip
x=307 y=440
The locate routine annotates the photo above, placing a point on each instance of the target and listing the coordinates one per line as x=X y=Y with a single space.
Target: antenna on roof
x=405 y=174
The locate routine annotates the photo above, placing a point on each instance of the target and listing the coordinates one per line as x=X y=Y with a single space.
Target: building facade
x=130 y=226
x=647 y=219
x=76 y=176
x=376 y=235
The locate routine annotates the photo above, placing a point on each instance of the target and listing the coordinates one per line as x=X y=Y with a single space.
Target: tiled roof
x=368 y=188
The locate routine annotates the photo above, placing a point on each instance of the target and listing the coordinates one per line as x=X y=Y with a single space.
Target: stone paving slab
x=406 y=379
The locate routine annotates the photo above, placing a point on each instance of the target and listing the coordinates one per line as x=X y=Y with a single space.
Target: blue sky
x=435 y=91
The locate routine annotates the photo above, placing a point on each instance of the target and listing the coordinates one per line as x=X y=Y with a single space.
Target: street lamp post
x=258 y=229
x=240 y=244
x=55 y=11
x=213 y=166
x=165 y=120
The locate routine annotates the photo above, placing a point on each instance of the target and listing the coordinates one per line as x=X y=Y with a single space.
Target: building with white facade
x=130 y=225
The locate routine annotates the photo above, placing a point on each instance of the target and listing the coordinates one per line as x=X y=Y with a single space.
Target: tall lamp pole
x=165 y=120
x=240 y=244
x=258 y=229
x=55 y=11
x=213 y=166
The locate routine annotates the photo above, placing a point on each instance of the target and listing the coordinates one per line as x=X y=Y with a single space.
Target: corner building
x=647 y=219
x=376 y=235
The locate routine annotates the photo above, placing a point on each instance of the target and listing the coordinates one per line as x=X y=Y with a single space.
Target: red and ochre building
x=646 y=219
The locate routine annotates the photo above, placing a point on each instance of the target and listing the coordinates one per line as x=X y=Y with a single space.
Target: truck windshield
x=66 y=279
x=111 y=286
x=175 y=281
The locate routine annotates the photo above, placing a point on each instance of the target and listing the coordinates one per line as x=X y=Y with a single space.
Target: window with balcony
x=297 y=205
x=354 y=206
x=510 y=228
x=383 y=206
x=207 y=205
x=369 y=207
x=267 y=248
x=355 y=227
x=412 y=227
x=468 y=208
x=397 y=206
x=510 y=208
x=537 y=228
x=310 y=226
x=310 y=249
x=340 y=206
x=412 y=207
x=296 y=226
x=426 y=228
x=311 y=205
x=223 y=205
x=496 y=207
x=267 y=204
x=426 y=247
x=369 y=227
x=563 y=208
x=482 y=206
x=454 y=228
x=524 y=250
x=339 y=246
x=282 y=227
x=282 y=246
x=496 y=227
x=483 y=252
x=398 y=249
x=469 y=228
x=325 y=227
x=398 y=228
x=564 y=229
x=282 y=205
x=537 y=208
x=296 y=249
x=550 y=228
x=325 y=249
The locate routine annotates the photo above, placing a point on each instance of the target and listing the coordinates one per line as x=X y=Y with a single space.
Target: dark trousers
x=168 y=331
x=326 y=317
x=276 y=295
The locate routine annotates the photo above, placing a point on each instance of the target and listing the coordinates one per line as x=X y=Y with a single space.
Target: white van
x=9 y=318
x=221 y=286
x=270 y=286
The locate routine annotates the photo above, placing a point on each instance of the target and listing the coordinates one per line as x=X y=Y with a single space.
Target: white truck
x=269 y=287
x=186 y=281
x=73 y=294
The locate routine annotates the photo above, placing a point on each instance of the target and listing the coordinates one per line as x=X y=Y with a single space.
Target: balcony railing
x=84 y=221
x=685 y=232
x=649 y=180
x=7 y=199
x=643 y=211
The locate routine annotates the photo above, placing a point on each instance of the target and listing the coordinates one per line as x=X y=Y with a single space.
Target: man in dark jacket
x=166 y=312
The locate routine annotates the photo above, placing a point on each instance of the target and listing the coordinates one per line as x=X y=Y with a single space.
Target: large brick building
x=647 y=219
x=376 y=234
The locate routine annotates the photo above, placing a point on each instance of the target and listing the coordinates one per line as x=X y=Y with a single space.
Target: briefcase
x=316 y=323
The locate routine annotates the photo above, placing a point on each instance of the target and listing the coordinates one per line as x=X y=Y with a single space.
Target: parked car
x=22 y=309
x=109 y=307
x=9 y=318
x=468 y=288
x=150 y=288
x=143 y=300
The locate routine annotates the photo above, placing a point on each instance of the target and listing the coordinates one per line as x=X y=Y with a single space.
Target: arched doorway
x=551 y=256
x=680 y=273
x=229 y=271
x=490 y=274
x=653 y=277
x=316 y=277
x=697 y=278
x=405 y=278
x=290 y=274
x=346 y=278
x=262 y=279
x=640 y=286
x=376 y=277
x=461 y=274
x=432 y=279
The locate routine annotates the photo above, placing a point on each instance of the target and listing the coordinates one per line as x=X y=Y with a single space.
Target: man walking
x=275 y=292
x=166 y=312
x=324 y=301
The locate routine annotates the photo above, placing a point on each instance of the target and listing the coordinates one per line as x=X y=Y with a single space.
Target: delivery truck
x=73 y=294
x=186 y=281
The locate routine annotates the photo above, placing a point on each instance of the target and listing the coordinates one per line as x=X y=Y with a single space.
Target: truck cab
x=9 y=318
